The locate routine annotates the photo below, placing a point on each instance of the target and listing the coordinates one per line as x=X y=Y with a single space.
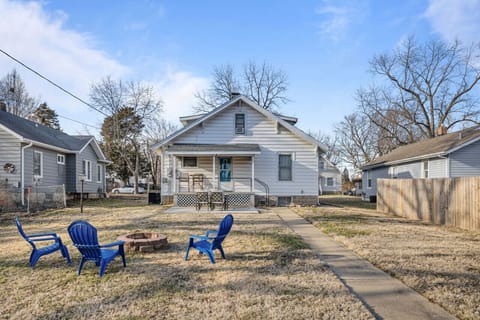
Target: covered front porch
x=228 y=170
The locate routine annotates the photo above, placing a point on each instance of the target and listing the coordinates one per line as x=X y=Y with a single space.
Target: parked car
x=127 y=189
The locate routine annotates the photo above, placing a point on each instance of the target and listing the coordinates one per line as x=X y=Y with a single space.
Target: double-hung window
x=239 y=123
x=369 y=179
x=99 y=173
x=189 y=162
x=285 y=167
x=330 y=182
x=87 y=170
x=425 y=168
x=38 y=164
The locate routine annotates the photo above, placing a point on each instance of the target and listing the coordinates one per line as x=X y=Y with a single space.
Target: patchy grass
x=269 y=273
x=440 y=263
x=346 y=201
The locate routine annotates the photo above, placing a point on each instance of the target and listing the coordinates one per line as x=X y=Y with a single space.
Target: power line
x=53 y=83
x=88 y=125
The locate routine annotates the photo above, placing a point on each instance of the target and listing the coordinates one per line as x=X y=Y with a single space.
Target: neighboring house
x=31 y=153
x=449 y=155
x=241 y=148
x=330 y=178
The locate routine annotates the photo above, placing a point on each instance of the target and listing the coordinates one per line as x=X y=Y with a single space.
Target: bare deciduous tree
x=263 y=84
x=127 y=105
x=14 y=94
x=331 y=142
x=424 y=86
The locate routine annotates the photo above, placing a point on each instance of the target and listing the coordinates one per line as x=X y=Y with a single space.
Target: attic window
x=60 y=159
x=239 y=123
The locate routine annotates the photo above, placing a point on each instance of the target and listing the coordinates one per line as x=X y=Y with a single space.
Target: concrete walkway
x=384 y=296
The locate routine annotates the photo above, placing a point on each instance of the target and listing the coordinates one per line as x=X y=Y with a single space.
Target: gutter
x=390 y=163
x=22 y=180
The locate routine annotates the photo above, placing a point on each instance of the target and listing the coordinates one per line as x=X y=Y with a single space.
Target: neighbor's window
x=239 y=123
x=99 y=173
x=321 y=165
x=38 y=164
x=393 y=172
x=87 y=170
x=189 y=162
x=60 y=159
x=425 y=168
x=330 y=182
x=369 y=179
x=285 y=167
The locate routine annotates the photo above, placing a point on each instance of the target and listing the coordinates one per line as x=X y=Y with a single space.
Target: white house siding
x=466 y=161
x=261 y=131
x=438 y=168
x=329 y=171
x=10 y=152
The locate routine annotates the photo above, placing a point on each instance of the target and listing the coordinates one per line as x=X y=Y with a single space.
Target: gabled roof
x=252 y=104
x=429 y=148
x=29 y=131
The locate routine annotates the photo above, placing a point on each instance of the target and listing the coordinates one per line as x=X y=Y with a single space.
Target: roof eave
x=401 y=161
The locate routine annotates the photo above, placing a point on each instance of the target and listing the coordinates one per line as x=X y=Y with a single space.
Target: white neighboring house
x=242 y=149
x=329 y=178
x=449 y=155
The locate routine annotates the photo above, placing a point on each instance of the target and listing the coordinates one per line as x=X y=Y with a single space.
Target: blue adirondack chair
x=212 y=240
x=84 y=237
x=37 y=252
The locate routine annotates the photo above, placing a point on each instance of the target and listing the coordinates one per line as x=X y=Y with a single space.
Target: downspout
x=22 y=182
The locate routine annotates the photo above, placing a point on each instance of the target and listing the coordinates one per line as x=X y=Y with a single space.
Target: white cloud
x=338 y=16
x=457 y=19
x=66 y=57
x=177 y=89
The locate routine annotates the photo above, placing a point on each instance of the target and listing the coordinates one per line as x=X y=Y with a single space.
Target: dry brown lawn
x=443 y=264
x=269 y=273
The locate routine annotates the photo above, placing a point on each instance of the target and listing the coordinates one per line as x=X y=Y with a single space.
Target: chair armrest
x=113 y=244
x=211 y=232
x=42 y=235
x=192 y=236
x=45 y=239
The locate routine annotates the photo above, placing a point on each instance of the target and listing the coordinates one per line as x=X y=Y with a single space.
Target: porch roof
x=214 y=149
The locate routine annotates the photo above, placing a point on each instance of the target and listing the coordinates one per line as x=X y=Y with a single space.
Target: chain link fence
x=35 y=198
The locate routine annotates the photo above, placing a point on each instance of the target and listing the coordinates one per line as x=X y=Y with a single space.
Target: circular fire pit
x=144 y=241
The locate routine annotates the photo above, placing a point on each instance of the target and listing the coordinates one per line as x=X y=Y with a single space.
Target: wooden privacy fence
x=448 y=201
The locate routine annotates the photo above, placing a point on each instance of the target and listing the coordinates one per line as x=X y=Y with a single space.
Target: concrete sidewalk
x=384 y=296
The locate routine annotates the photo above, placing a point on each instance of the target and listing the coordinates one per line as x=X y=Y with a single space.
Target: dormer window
x=239 y=123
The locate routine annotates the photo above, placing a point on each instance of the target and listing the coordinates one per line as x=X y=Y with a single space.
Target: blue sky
x=323 y=46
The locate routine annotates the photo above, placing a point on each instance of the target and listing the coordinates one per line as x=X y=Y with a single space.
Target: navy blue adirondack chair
x=38 y=252
x=212 y=240
x=84 y=237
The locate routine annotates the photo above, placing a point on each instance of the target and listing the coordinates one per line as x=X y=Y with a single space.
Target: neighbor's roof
x=434 y=147
x=193 y=121
x=214 y=149
x=30 y=131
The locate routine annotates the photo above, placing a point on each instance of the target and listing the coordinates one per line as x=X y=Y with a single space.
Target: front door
x=225 y=173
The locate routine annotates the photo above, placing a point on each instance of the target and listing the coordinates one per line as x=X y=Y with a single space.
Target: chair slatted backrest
x=22 y=233
x=84 y=237
x=216 y=197
x=223 y=230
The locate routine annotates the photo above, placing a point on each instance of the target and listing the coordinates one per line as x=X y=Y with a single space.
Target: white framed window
x=87 y=169
x=189 y=162
x=38 y=164
x=425 y=169
x=369 y=179
x=285 y=167
x=240 y=123
x=60 y=158
x=99 y=173
x=330 y=182
x=393 y=172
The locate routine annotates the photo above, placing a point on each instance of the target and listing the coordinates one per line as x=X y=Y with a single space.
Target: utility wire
x=53 y=83
x=88 y=125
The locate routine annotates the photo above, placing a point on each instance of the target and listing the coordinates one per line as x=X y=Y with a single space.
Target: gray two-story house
x=450 y=155
x=33 y=154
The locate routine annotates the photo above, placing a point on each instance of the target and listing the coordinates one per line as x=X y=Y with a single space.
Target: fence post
x=64 y=196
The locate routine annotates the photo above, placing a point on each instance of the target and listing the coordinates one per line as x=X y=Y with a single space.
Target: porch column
x=174 y=174
x=252 y=187
x=213 y=172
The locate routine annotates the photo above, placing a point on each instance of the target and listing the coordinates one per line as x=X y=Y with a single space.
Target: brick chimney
x=441 y=130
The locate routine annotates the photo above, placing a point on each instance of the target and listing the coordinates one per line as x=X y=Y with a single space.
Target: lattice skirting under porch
x=185 y=200
x=239 y=200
